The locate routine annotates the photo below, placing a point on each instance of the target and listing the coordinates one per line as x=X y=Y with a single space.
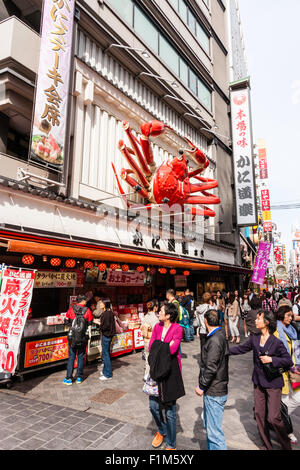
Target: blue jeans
x=192 y=331
x=71 y=360
x=168 y=427
x=107 y=370
x=213 y=417
x=187 y=334
x=221 y=316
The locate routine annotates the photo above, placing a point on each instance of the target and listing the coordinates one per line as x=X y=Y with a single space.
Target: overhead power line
x=285 y=206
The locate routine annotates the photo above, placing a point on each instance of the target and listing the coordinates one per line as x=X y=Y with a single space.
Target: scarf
x=289 y=331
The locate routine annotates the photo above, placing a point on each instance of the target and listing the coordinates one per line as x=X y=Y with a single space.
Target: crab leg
x=135 y=145
x=207 y=184
x=205 y=199
x=133 y=183
x=203 y=212
x=121 y=190
x=127 y=154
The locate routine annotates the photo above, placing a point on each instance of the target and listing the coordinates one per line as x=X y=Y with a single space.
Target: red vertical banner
x=15 y=299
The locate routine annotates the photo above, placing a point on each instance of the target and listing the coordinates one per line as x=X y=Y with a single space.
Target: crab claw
x=153 y=128
x=197 y=155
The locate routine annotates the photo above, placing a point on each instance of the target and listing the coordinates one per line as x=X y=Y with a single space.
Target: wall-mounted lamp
x=144 y=52
x=173 y=83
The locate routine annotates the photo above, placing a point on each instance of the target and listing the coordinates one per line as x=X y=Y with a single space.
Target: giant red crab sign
x=169 y=183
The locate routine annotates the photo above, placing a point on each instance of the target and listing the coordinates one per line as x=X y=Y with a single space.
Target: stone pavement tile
x=46 y=435
x=65 y=414
x=79 y=444
x=126 y=428
x=55 y=444
x=28 y=420
x=26 y=412
x=11 y=419
x=71 y=420
x=15 y=427
x=134 y=442
x=59 y=427
x=102 y=428
x=10 y=443
x=69 y=436
x=25 y=434
x=33 y=444
x=56 y=408
x=112 y=422
x=38 y=427
x=44 y=413
x=97 y=445
x=109 y=434
x=92 y=420
x=91 y=435
x=81 y=414
x=50 y=420
x=81 y=427
x=5 y=412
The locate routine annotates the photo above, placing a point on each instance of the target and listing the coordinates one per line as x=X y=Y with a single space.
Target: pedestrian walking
x=245 y=309
x=166 y=369
x=187 y=302
x=220 y=302
x=255 y=305
x=147 y=326
x=284 y=301
x=233 y=313
x=213 y=381
x=269 y=303
x=108 y=330
x=267 y=349
x=288 y=335
x=170 y=296
x=200 y=311
x=79 y=317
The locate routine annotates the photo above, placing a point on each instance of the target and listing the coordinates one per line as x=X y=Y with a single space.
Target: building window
x=204 y=95
x=192 y=21
x=125 y=8
x=146 y=29
x=193 y=82
x=168 y=54
x=202 y=37
x=184 y=71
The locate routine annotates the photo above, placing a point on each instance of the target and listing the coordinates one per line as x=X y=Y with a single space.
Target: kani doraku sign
x=242 y=145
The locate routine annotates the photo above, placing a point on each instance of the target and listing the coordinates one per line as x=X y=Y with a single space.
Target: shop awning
x=114 y=255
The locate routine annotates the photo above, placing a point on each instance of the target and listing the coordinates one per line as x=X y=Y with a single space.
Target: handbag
x=272 y=372
x=150 y=387
x=119 y=328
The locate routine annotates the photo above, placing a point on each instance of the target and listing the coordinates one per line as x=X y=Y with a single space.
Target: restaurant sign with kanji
x=15 y=299
x=243 y=157
x=52 y=88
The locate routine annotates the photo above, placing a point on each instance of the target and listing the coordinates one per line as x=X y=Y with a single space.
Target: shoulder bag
x=150 y=387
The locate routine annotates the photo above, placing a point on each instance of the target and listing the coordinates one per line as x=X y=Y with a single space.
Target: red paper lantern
x=140 y=269
x=70 y=263
x=28 y=259
x=173 y=271
x=125 y=267
x=88 y=265
x=113 y=267
x=162 y=270
x=186 y=273
x=55 y=261
x=102 y=267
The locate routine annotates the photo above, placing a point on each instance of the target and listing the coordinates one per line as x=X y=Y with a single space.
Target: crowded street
x=40 y=413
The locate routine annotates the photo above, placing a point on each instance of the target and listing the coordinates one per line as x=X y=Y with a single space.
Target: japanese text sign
x=15 y=299
x=52 y=89
x=46 y=279
x=261 y=262
x=118 y=278
x=47 y=350
x=243 y=157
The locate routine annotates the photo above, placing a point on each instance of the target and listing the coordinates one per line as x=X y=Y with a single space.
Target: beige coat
x=234 y=310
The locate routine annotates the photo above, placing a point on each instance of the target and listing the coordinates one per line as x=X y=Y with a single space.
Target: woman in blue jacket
x=267 y=394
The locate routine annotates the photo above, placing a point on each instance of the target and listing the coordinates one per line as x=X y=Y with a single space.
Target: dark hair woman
x=167 y=331
x=267 y=393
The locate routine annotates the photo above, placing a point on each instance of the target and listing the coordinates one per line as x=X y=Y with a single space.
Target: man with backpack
x=79 y=317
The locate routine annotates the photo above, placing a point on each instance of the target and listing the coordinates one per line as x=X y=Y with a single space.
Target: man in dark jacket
x=213 y=381
x=108 y=330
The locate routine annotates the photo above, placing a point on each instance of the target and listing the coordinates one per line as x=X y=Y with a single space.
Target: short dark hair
x=171 y=292
x=255 y=302
x=282 y=311
x=269 y=320
x=231 y=297
x=268 y=295
x=212 y=317
x=81 y=298
x=107 y=305
x=98 y=294
x=172 y=310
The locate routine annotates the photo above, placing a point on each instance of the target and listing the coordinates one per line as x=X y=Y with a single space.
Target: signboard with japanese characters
x=47 y=279
x=15 y=299
x=119 y=278
x=261 y=262
x=45 y=351
x=264 y=187
x=52 y=89
x=243 y=157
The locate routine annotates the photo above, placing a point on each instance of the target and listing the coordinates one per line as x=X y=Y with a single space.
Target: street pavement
x=43 y=413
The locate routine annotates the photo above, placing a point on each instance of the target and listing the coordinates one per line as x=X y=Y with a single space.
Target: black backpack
x=78 y=335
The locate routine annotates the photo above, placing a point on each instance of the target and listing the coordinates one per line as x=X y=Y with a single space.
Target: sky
x=272 y=38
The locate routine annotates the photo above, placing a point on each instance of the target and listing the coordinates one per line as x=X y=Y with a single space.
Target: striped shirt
x=269 y=304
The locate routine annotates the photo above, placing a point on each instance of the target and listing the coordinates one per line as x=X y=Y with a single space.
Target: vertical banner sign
x=264 y=186
x=52 y=89
x=261 y=263
x=15 y=299
x=243 y=157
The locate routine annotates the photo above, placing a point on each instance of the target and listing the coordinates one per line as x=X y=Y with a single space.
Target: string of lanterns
x=102 y=267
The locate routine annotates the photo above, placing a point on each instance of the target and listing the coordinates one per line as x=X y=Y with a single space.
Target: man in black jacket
x=213 y=381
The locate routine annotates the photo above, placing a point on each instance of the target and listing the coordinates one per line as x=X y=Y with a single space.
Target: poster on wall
x=242 y=146
x=15 y=299
x=52 y=89
x=45 y=351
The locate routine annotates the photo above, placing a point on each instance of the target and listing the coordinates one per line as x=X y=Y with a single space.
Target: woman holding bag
x=149 y=322
x=288 y=335
x=171 y=387
x=269 y=355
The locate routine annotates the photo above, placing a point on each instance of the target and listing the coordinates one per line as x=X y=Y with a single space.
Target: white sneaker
x=293 y=438
x=102 y=377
